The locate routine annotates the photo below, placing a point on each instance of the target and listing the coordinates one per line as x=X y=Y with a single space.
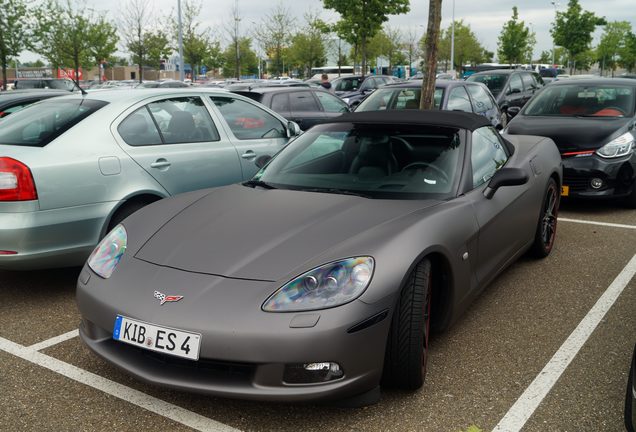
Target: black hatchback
x=307 y=106
x=512 y=88
x=592 y=122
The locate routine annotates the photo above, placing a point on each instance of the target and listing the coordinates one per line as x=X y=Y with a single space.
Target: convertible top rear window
x=39 y=124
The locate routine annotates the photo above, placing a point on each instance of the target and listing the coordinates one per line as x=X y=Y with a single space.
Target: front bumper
x=618 y=176
x=244 y=351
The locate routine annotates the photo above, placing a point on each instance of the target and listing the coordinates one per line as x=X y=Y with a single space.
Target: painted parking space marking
x=135 y=397
x=606 y=224
x=528 y=402
x=54 y=340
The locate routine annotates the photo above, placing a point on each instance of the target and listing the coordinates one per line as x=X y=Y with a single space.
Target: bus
x=331 y=71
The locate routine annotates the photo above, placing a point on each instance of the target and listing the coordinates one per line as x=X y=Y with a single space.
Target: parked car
x=323 y=275
x=73 y=167
x=452 y=95
x=510 y=87
x=45 y=83
x=14 y=101
x=630 y=396
x=352 y=89
x=163 y=84
x=592 y=123
x=306 y=106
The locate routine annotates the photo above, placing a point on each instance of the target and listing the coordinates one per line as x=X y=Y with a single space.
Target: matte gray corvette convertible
x=321 y=277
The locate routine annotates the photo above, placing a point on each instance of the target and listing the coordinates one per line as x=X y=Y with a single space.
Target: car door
x=305 y=109
x=503 y=219
x=458 y=100
x=513 y=93
x=256 y=133
x=178 y=143
x=529 y=86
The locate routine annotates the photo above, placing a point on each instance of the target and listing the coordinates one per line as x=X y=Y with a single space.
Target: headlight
x=108 y=252
x=346 y=100
x=621 y=146
x=324 y=287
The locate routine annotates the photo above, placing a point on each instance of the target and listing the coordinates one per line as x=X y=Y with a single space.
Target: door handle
x=249 y=155
x=160 y=163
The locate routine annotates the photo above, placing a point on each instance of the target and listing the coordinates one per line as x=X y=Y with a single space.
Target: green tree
x=157 y=48
x=411 y=47
x=612 y=48
x=307 y=48
x=628 y=58
x=544 y=57
x=248 y=58
x=274 y=35
x=573 y=30
x=62 y=34
x=362 y=19
x=196 y=41
x=13 y=33
x=102 y=41
x=394 y=50
x=467 y=47
x=135 y=26
x=516 y=41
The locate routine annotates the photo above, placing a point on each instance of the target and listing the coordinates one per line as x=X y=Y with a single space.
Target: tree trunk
x=427 y=101
x=363 y=49
x=3 y=60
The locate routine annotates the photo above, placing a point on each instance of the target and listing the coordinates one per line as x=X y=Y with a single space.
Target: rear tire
x=546 y=227
x=407 y=345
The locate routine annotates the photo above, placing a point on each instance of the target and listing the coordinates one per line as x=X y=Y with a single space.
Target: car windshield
x=581 y=99
x=494 y=82
x=397 y=98
x=370 y=160
x=40 y=123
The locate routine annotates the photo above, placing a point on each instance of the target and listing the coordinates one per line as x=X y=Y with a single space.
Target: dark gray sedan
x=321 y=277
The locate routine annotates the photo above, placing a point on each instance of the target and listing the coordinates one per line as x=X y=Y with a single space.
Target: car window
x=138 y=129
x=494 y=82
x=37 y=126
x=280 y=102
x=458 y=100
x=487 y=156
x=528 y=82
x=303 y=101
x=348 y=84
x=481 y=100
x=396 y=98
x=246 y=120
x=15 y=108
x=183 y=120
x=515 y=84
x=331 y=103
x=605 y=100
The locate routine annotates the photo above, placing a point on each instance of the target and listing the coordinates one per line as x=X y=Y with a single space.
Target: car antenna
x=84 y=93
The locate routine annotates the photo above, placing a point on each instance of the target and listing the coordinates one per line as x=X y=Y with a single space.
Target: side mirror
x=505 y=177
x=513 y=111
x=293 y=129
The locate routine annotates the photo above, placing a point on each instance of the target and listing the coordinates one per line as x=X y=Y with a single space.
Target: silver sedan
x=71 y=168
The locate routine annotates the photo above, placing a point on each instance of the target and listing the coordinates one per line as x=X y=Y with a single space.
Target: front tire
x=546 y=227
x=407 y=346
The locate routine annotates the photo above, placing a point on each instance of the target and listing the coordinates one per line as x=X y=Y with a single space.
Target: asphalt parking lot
x=545 y=348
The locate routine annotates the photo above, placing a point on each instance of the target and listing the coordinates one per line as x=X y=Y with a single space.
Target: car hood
x=571 y=133
x=246 y=233
x=349 y=94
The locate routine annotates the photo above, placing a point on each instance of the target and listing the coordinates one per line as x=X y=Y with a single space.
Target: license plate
x=152 y=337
x=565 y=190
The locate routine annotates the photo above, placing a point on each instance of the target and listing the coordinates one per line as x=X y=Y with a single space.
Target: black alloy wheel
x=547 y=225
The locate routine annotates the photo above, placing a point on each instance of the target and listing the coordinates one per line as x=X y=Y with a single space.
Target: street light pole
x=555 y=4
x=452 y=54
x=237 y=19
x=181 y=66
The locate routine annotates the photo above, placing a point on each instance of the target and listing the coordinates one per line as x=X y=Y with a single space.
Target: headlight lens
x=108 y=252
x=346 y=100
x=324 y=287
x=621 y=146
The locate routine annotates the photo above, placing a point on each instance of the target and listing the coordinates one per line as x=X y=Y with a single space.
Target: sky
x=485 y=18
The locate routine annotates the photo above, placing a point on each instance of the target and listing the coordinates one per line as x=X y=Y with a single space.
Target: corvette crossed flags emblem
x=167 y=298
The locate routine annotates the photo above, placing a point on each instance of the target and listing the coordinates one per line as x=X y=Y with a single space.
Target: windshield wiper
x=337 y=191
x=597 y=116
x=261 y=183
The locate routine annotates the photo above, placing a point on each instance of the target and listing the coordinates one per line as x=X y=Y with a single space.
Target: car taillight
x=16 y=181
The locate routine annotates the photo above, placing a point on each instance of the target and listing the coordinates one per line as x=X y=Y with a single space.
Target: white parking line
x=135 y=397
x=607 y=224
x=528 y=402
x=54 y=340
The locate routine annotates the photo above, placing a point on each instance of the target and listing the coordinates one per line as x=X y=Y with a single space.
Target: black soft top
x=457 y=119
